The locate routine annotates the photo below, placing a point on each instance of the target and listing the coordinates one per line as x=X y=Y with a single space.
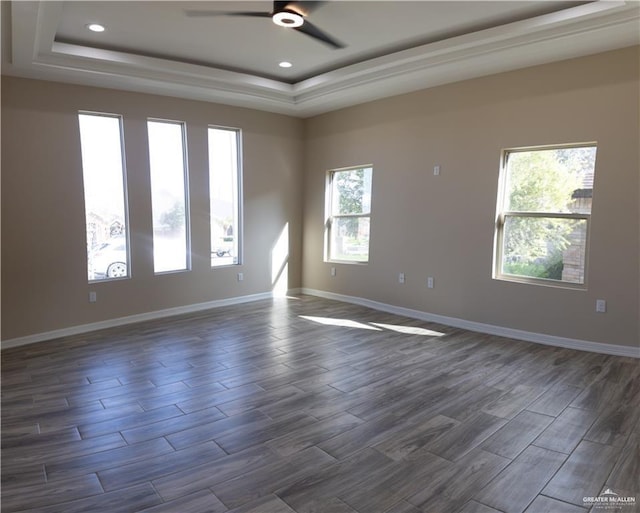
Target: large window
x=544 y=210
x=224 y=195
x=169 y=202
x=349 y=212
x=105 y=196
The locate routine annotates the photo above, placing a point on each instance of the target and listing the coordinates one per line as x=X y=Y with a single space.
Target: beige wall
x=443 y=226
x=44 y=277
x=421 y=225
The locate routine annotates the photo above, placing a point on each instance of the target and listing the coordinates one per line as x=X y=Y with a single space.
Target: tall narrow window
x=349 y=212
x=105 y=196
x=544 y=211
x=169 y=203
x=224 y=195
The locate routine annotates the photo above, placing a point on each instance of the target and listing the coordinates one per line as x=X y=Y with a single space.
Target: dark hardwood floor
x=308 y=405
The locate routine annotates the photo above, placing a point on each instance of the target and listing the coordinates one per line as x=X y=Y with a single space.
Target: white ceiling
x=391 y=47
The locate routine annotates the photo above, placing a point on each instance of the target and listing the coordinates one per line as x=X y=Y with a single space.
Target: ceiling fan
x=288 y=14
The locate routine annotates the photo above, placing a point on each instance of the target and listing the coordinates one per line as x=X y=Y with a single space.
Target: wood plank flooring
x=304 y=405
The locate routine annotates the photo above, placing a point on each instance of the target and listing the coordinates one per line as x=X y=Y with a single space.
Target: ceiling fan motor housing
x=287 y=18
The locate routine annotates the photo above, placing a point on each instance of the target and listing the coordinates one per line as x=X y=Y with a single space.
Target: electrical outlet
x=333 y=271
x=401 y=278
x=93 y=297
x=430 y=282
x=240 y=276
x=436 y=170
x=601 y=306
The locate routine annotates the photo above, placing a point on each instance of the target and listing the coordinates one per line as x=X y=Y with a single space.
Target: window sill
x=541 y=282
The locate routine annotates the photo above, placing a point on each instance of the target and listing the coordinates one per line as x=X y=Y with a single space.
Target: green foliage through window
x=545 y=211
x=350 y=209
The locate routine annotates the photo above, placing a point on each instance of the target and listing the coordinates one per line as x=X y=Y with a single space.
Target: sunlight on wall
x=280 y=264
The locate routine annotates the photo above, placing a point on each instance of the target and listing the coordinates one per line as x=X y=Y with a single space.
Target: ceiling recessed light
x=96 y=27
x=288 y=19
x=285 y=64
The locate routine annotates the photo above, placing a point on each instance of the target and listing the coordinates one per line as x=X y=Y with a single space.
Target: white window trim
x=187 y=198
x=329 y=217
x=125 y=192
x=240 y=192
x=501 y=217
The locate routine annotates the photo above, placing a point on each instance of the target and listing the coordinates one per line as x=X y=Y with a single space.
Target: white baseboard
x=528 y=336
x=130 y=319
x=539 y=338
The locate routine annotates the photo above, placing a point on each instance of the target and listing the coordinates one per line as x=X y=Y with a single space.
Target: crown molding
x=578 y=31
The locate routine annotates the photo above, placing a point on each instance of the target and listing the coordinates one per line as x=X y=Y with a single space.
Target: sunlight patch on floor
x=374 y=326
x=409 y=330
x=345 y=323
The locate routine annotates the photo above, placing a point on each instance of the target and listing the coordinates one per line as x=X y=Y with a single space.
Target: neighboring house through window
x=544 y=211
x=105 y=196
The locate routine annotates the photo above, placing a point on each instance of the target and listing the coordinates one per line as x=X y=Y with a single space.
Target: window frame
x=330 y=217
x=502 y=216
x=239 y=231
x=187 y=198
x=125 y=192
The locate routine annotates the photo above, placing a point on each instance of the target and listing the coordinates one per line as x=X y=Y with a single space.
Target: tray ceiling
x=391 y=47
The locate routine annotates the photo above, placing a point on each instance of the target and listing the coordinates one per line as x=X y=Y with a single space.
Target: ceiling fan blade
x=310 y=29
x=207 y=14
x=305 y=8
x=279 y=5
